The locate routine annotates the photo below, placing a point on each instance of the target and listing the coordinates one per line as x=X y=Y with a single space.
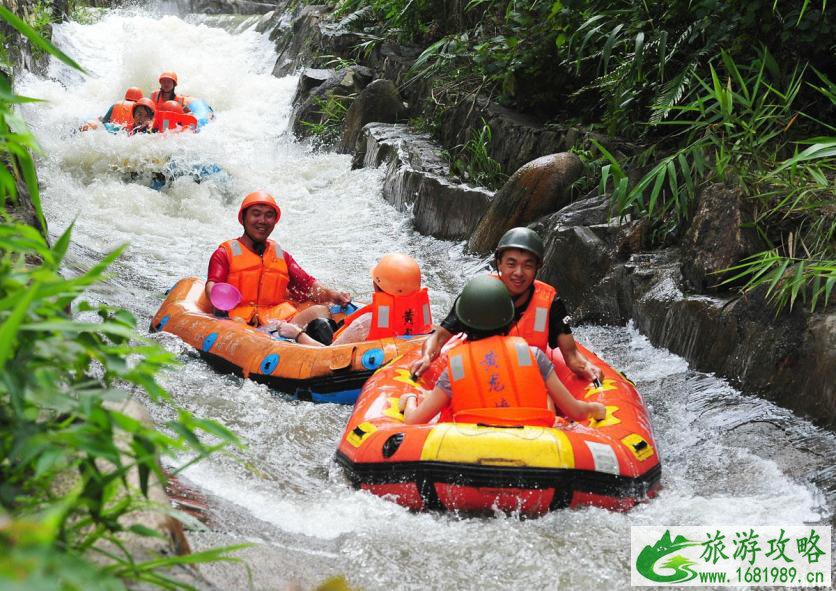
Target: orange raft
x=320 y=374
x=612 y=463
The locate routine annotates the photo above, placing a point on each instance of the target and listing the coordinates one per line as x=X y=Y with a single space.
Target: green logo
x=662 y=549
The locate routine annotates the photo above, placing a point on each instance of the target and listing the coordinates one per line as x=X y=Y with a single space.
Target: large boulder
x=717 y=238
x=538 y=188
x=379 y=101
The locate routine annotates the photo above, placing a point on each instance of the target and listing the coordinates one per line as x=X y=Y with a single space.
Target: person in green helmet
x=540 y=317
x=493 y=378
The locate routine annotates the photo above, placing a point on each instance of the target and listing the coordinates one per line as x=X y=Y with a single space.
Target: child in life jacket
x=492 y=378
x=400 y=306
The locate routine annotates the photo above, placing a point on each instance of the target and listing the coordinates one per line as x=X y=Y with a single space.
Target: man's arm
x=321 y=294
x=430 y=350
x=576 y=361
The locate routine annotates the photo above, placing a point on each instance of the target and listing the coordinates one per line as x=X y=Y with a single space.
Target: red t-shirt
x=298 y=287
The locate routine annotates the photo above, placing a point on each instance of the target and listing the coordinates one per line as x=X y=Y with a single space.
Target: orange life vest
x=396 y=315
x=122 y=113
x=262 y=281
x=170 y=121
x=533 y=325
x=157 y=99
x=496 y=381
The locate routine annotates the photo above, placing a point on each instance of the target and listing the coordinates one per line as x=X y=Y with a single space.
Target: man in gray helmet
x=493 y=378
x=540 y=317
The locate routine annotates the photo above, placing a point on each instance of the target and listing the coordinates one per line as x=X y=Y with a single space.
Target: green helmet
x=485 y=304
x=524 y=239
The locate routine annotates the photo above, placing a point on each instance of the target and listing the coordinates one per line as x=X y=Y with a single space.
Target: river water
x=728 y=458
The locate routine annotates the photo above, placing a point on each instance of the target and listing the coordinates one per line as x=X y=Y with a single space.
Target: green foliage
x=72 y=465
x=739 y=128
x=330 y=117
x=472 y=161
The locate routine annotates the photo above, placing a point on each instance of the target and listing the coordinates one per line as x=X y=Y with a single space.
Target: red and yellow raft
x=320 y=374
x=612 y=463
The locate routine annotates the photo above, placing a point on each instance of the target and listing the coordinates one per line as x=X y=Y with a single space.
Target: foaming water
x=727 y=458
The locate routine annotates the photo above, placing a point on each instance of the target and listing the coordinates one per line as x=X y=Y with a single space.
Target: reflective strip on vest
x=279 y=251
x=456 y=368
x=523 y=354
x=427 y=316
x=236 y=248
x=383 y=317
x=541 y=315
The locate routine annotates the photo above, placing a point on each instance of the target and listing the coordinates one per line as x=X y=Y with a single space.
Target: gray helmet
x=485 y=304
x=524 y=239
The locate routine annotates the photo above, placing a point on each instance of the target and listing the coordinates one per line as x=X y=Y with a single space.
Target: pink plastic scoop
x=224 y=296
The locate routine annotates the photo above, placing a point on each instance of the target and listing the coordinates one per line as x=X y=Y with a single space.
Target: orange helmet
x=171 y=106
x=170 y=75
x=145 y=102
x=258 y=198
x=397 y=274
x=134 y=93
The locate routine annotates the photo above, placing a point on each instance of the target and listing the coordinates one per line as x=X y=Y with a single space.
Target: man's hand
x=342 y=298
x=421 y=365
x=597 y=411
x=591 y=372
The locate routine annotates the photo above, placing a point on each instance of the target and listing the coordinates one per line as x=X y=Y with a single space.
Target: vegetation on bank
x=702 y=90
x=72 y=465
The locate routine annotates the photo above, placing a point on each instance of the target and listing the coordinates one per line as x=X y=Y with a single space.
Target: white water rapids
x=728 y=458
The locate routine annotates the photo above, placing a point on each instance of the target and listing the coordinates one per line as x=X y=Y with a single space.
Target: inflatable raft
x=319 y=374
x=612 y=463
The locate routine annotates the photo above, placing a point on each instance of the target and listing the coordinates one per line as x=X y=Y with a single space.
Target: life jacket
x=262 y=281
x=395 y=315
x=496 y=381
x=533 y=325
x=122 y=114
x=171 y=121
x=157 y=99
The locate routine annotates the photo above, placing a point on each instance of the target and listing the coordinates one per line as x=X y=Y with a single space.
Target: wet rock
x=540 y=187
x=341 y=86
x=716 y=239
x=224 y=6
x=379 y=102
x=297 y=38
x=580 y=259
x=448 y=210
x=417 y=177
x=309 y=79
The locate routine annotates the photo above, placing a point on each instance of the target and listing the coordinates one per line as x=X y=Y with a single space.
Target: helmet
x=522 y=238
x=170 y=75
x=171 y=106
x=258 y=198
x=145 y=102
x=485 y=304
x=397 y=274
x=134 y=93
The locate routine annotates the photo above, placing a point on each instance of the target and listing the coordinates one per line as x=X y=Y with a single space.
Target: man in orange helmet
x=268 y=278
x=143 y=116
x=400 y=306
x=121 y=113
x=168 y=82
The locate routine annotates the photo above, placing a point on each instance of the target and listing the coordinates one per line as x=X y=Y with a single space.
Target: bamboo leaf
x=657 y=188
x=9 y=328
x=608 y=45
